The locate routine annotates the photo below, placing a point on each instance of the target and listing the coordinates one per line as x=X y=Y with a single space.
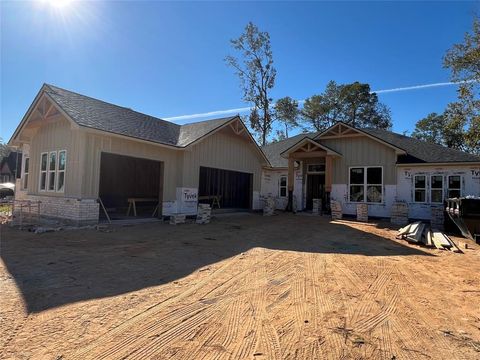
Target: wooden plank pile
x=204 y=214
x=176 y=219
x=317 y=206
x=336 y=209
x=421 y=233
x=362 y=212
x=269 y=206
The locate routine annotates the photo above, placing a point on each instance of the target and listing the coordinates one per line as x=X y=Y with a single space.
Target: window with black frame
x=366 y=184
x=420 y=188
x=454 y=186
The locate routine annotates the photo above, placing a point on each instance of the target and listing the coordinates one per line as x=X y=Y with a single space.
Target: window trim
x=432 y=188
x=52 y=171
x=449 y=188
x=43 y=171
x=280 y=186
x=58 y=171
x=26 y=174
x=424 y=189
x=365 y=185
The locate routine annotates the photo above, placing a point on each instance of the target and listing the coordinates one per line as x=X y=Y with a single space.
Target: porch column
x=328 y=173
x=290 y=181
x=328 y=180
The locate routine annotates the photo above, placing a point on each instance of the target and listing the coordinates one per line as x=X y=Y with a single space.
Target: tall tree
x=286 y=111
x=4 y=149
x=454 y=126
x=360 y=107
x=353 y=104
x=431 y=129
x=257 y=76
x=322 y=111
x=463 y=60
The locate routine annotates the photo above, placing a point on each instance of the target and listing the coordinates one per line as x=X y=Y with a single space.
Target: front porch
x=316 y=162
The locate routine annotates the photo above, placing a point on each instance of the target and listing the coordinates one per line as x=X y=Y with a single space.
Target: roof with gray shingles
x=100 y=115
x=419 y=151
x=274 y=150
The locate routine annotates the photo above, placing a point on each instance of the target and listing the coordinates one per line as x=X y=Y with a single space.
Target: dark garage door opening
x=124 y=177
x=233 y=187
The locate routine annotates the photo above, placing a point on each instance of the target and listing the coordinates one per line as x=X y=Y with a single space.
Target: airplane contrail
x=247 y=108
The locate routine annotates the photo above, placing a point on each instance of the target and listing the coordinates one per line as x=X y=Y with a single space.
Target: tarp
x=7 y=185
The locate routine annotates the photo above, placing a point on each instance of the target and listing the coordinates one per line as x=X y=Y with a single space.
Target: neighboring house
x=78 y=149
x=10 y=167
x=372 y=166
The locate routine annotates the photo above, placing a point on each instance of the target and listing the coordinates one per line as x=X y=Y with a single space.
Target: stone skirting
x=70 y=210
x=362 y=212
x=399 y=213
x=336 y=208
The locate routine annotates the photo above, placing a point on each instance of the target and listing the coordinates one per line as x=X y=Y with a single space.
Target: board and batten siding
x=361 y=151
x=97 y=143
x=57 y=136
x=222 y=150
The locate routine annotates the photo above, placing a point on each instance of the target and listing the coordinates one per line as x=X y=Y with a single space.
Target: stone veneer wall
x=70 y=210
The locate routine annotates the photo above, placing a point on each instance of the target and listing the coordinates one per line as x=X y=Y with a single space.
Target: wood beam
x=311 y=154
x=341 y=136
x=328 y=173
x=291 y=170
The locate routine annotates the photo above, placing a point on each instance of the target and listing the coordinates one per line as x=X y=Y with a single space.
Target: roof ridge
x=52 y=88
x=444 y=147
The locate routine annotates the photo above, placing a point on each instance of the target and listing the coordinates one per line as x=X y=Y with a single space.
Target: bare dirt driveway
x=242 y=287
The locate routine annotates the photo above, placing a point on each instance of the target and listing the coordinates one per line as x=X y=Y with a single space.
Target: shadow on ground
x=55 y=269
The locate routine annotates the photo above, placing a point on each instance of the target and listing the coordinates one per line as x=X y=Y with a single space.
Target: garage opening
x=130 y=187
x=231 y=189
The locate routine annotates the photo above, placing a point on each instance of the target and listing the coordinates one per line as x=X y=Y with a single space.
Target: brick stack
x=437 y=217
x=399 y=214
x=204 y=213
x=336 y=208
x=176 y=219
x=317 y=206
x=269 y=206
x=362 y=212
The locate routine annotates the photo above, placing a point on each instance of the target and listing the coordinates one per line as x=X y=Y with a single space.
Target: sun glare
x=59 y=4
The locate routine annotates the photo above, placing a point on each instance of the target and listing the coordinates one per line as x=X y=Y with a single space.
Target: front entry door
x=315 y=189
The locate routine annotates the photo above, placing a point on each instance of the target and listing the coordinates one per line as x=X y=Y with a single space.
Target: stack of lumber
x=336 y=208
x=362 y=212
x=421 y=233
x=204 y=214
x=317 y=206
x=176 y=219
x=269 y=206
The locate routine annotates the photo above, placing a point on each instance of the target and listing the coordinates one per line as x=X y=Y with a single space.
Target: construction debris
x=336 y=209
x=399 y=213
x=269 y=206
x=362 y=212
x=176 y=219
x=421 y=233
x=204 y=214
x=317 y=206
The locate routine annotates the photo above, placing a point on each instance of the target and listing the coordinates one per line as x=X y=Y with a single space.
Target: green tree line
x=457 y=127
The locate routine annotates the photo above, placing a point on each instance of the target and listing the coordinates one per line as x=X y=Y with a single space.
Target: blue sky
x=166 y=59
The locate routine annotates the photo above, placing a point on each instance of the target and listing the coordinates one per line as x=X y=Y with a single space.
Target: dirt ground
x=242 y=287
